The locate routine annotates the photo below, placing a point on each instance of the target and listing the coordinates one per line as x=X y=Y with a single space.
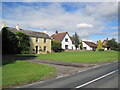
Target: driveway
x=65 y=68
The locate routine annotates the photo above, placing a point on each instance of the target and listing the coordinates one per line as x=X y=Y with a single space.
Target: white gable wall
x=87 y=47
x=69 y=43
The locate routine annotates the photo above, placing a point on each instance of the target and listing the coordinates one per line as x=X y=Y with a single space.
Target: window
x=66 y=46
x=45 y=48
x=44 y=40
x=36 y=39
x=66 y=40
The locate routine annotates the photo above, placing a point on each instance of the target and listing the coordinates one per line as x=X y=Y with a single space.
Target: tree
x=118 y=48
x=99 y=47
x=81 y=45
x=112 y=44
x=15 y=43
x=76 y=40
x=56 y=46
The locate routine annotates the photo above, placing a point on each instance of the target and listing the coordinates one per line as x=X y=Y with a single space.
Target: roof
x=91 y=44
x=58 y=36
x=104 y=43
x=30 y=33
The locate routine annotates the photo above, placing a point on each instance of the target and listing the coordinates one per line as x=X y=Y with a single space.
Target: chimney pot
x=56 y=32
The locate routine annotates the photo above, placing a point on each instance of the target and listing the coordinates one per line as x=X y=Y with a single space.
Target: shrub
x=99 y=47
x=56 y=46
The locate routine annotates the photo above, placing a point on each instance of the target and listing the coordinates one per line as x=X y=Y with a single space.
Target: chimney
x=3 y=25
x=56 y=32
x=45 y=32
x=107 y=39
x=17 y=27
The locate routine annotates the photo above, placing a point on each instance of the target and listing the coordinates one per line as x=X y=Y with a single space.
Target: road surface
x=104 y=76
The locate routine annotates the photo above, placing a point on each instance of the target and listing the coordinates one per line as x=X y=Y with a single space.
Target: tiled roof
x=91 y=44
x=104 y=43
x=58 y=36
x=30 y=33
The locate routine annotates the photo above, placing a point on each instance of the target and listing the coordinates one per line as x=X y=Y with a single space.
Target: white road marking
x=70 y=74
x=96 y=79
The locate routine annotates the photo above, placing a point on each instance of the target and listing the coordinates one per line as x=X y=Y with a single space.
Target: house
x=65 y=40
x=89 y=45
x=40 y=40
x=104 y=44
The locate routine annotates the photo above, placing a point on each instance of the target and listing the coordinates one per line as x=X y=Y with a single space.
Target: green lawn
x=82 y=56
x=22 y=72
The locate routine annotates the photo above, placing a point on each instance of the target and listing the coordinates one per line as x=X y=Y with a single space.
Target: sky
x=91 y=20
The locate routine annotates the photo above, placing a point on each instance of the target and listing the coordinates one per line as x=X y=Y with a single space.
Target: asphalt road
x=105 y=76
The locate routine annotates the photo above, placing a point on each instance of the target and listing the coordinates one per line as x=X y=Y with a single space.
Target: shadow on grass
x=8 y=59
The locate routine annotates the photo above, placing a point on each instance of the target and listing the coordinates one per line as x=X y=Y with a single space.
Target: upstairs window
x=66 y=40
x=36 y=39
x=44 y=40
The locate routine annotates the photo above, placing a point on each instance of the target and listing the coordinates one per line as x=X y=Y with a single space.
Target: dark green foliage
x=112 y=44
x=56 y=46
x=24 y=46
x=99 y=47
x=9 y=42
x=76 y=40
x=15 y=43
x=81 y=45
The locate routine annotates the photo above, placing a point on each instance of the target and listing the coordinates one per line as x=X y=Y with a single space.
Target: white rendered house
x=89 y=45
x=65 y=40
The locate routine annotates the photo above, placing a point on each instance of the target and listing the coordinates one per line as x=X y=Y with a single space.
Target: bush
x=56 y=46
x=99 y=47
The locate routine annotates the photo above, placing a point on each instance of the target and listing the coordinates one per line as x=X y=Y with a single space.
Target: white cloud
x=103 y=11
x=84 y=25
x=54 y=17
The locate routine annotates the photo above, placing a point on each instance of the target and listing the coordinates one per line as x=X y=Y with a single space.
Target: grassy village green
x=83 y=56
x=21 y=72
x=17 y=71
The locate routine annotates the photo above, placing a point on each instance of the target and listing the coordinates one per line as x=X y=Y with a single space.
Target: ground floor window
x=66 y=46
x=45 y=48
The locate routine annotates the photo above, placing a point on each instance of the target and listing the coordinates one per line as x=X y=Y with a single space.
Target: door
x=36 y=49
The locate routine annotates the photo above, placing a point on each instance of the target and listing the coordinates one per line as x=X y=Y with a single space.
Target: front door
x=36 y=49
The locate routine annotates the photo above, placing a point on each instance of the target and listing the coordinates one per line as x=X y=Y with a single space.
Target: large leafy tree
x=99 y=47
x=76 y=40
x=112 y=44
x=56 y=46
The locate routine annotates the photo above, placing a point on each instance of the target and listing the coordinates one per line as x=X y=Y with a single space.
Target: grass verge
x=23 y=72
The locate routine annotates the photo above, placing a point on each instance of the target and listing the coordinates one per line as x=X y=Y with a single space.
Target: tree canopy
x=76 y=40
x=81 y=45
x=99 y=47
x=56 y=46
x=113 y=45
x=15 y=43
